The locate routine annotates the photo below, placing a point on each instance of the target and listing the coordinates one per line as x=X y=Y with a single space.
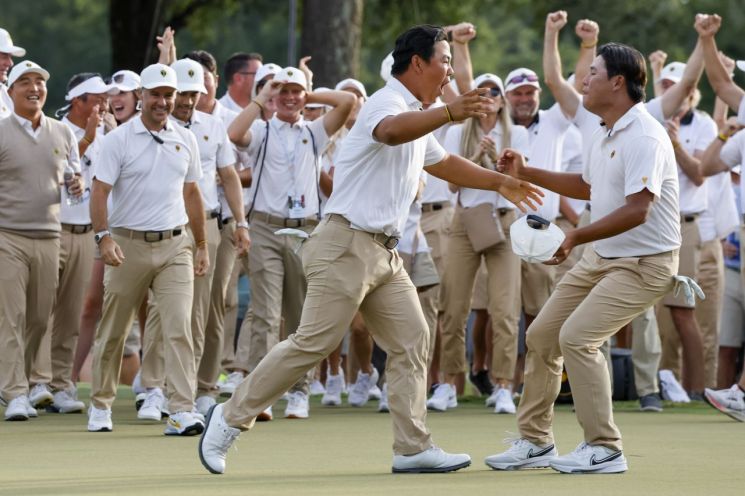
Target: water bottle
x=68 y=175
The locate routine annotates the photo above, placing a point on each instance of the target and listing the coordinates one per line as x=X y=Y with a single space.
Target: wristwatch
x=100 y=235
x=242 y=223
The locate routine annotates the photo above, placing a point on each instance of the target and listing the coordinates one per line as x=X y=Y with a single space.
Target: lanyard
x=290 y=155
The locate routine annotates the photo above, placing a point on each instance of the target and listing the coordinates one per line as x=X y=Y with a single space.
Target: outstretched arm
x=719 y=77
x=563 y=92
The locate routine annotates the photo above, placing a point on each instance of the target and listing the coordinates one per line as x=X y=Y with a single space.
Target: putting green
x=346 y=451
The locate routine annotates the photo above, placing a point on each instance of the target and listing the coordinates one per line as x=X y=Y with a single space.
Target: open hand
x=522 y=193
x=471 y=104
x=511 y=162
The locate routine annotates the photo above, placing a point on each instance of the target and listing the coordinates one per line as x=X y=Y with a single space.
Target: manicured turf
x=345 y=451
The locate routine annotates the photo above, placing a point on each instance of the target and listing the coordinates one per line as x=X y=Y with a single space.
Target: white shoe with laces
x=360 y=392
x=297 y=405
x=383 y=401
x=232 y=382
x=17 y=409
x=316 y=388
x=66 y=401
x=216 y=440
x=728 y=401
x=522 y=454
x=99 y=420
x=183 y=424
x=503 y=401
x=587 y=459
x=204 y=403
x=432 y=460
x=152 y=408
x=444 y=398
x=334 y=387
x=671 y=389
x=40 y=396
x=32 y=413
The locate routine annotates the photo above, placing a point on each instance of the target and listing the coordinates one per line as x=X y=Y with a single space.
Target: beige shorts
x=421 y=270
x=732 y=330
x=690 y=256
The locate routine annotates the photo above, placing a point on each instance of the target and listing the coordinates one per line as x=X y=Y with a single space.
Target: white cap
x=741 y=65
x=533 y=244
x=261 y=73
x=157 y=75
x=322 y=89
x=126 y=80
x=354 y=84
x=491 y=78
x=24 y=67
x=93 y=86
x=386 y=66
x=190 y=75
x=672 y=72
x=6 y=45
x=522 y=77
x=292 y=75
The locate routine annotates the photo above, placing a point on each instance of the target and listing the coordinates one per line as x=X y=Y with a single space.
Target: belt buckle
x=294 y=223
x=437 y=206
x=153 y=236
x=391 y=242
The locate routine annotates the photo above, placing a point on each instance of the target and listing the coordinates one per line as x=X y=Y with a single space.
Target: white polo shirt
x=733 y=154
x=80 y=213
x=571 y=162
x=721 y=217
x=412 y=239
x=375 y=184
x=741 y=112
x=292 y=166
x=635 y=155
x=471 y=197
x=6 y=104
x=546 y=137
x=436 y=190
x=695 y=135
x=228 y=102
x=215 y=152
x=148 y=177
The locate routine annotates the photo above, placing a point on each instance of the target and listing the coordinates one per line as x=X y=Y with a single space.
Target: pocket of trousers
x=482 y=226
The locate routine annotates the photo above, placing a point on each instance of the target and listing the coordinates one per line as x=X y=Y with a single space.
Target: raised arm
x=239 y=130
x=588 y=32
x=461 y=35
x=719 y=78
x=342 y=102
x=563 y=92
x=167 y=46
x=657 y=62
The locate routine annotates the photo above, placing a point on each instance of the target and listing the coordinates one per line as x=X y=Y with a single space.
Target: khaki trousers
x=435 y=225
x=577 y=252
x=278 y=290
x=29 y=271
x=708 y=314
x=503 y=295
x=209 y=367
x=53 y=363
x=538 y=282
x=424 y=297
x=593 y=301
x=347 y=270
x=231 y=314
x=166 y=268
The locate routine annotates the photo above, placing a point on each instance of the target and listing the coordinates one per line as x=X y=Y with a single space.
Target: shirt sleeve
x=586 y=121
x=435 y=152
x=644 y=165
x=258 y=135
x=73 y=157
x=194 y=172
x=654 y=107
x=319 y=133
x=520 y=140
x=109 y=163
x=381 y=105
x=731 y=153
x=555 y=118
x=225 y=151
x=741 y=112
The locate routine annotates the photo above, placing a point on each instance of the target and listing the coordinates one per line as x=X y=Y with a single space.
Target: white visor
x=93 y=86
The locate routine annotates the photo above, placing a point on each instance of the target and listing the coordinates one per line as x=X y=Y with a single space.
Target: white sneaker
x=383 y=401
x=204 y=403
x=216 y=439
x=183 y=424
x=17 y=409
x=671 y=389
x=590 y=459
x=32 y=413
x=375 y=393
x=137 y=387
x=522 y=454
x=297 y=405
x=99 y=420
x=504 y=403
x=728 y=401
x=443 y=398
x=316 y=388
x=66 y=401
x=233 y=380
x=40 y=396
x=429 y=461
x=266 y=415
x=152 y=408
x=491 y=401
x=334 y=386
x=360 y=392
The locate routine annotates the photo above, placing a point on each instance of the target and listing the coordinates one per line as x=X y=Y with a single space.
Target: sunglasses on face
x=494 y=92
x=521 y=78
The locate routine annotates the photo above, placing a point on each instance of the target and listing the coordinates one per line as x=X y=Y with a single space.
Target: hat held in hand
x=534 y=239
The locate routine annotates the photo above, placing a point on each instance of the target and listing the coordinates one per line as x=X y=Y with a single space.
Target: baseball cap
x=157 y=75
x=522 y=77
x=261 y=73
x=292 y=75
x=93 y=85
x=126 y=80
x=25 y=67
x=534 y=239
x=322 y=89
x=672 y=72
x=741 y=65
x=354 y=84
x=190 y=75
x=386 y=66
x=6 y=45
x=490 y=78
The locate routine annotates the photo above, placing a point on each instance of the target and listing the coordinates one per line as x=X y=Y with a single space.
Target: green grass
x=344 y=451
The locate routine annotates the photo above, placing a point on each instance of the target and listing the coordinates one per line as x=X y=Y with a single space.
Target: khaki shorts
x=690 y=256
x=732 y=330
x=421 y=270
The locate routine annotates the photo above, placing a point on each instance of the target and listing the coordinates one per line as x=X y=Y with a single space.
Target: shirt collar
x=282 y=125
x=139 y=126
x=626 y=119
x=27 y=124
x=72 y=125
x=195 y=119
x=397 y=86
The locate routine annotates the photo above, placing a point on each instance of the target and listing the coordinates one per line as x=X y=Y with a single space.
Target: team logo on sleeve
x=206 y=138
x=645 y=179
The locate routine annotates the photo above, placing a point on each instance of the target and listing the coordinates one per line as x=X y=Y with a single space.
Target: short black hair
x=626 y=61
x=205 y=58
x=419 y=40
x=237 y=62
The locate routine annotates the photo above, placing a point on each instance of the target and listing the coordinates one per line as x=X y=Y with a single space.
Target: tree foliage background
x=70 y=36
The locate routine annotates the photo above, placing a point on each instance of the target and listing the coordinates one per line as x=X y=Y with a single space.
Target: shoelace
x=514 y=440
x=362 y=385
x=153 y=399
x=230 y=437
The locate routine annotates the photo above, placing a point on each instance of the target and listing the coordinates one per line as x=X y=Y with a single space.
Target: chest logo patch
x=305 y=141
x=206 y=138
x=178 y=148
x=56 y=151
x=645 y=179
x=612 y=154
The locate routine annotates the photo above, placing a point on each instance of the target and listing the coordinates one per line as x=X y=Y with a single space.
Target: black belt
x=77 y=228
x=430 y=207
x=688 y=217
x=588 y=207
x=389 y=242
x=212 y=214
x=282 y=221
x=149 y=236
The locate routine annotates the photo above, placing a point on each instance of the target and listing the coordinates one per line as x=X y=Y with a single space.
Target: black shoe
x=650 y=403
x=481 y=381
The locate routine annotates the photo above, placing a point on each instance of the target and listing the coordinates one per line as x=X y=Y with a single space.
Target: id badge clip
x=297 y=207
